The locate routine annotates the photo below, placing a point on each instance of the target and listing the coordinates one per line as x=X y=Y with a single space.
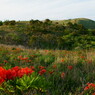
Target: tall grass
x=78 y=67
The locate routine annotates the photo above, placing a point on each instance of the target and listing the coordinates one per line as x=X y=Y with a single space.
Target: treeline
x=46 y=34
x=7 y=22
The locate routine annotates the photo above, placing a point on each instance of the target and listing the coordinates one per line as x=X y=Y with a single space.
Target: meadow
x=46 y=72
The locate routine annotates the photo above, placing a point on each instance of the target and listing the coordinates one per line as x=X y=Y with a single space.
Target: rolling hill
x=48 y=34
x=87 y=23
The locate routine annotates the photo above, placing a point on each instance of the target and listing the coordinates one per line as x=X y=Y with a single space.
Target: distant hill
x=49 y=34
x=87 y=23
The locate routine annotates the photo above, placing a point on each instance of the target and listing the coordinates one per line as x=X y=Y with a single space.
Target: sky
x=46 y=9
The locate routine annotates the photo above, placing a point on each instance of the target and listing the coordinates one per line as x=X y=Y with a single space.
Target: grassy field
x=46 y=72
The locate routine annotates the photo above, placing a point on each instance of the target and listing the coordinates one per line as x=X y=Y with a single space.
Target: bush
x=1 y=23
x=12 y=22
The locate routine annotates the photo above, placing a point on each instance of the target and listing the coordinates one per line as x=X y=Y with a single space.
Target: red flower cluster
x=13 y=73
x=23 y=71
x=82 y=57
x=21 y=58
x=42 y=71
x=89 y=86
x=25 y=59
x=2 y=75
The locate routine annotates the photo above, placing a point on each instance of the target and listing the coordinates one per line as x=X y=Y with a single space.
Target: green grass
x=74 y=80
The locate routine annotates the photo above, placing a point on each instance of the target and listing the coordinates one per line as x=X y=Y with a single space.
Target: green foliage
x=58 y=78
x=47 y=34
x=31 y=82
x=87 y=23
x=1 y=23
x=12 y=22
x=6 y=22
x=27 y=84
x=46 y=60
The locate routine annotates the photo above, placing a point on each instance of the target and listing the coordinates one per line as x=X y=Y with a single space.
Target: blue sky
x=43 y=9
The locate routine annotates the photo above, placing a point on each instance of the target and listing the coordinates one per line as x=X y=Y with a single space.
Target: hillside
x=49 y=35
x=87 y=23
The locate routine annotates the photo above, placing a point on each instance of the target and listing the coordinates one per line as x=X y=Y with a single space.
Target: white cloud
x=42 y=9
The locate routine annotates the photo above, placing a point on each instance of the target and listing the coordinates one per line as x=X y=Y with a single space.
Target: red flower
x=2 y=73
x=32 y=67
x=54 y=66
x=93 y=93
x=5 y=61
x=2 y=64
x=41 y=67
x=51 y=72
x=11 y=74
x=62 y=60
x=86 y=88
x=1 y=80
x=26 y=58
x=42 y=71
x=46 y=50
x=89 y=85
x=19 y=57
x=16 y=68
x=24 y=71
x=70 y=67
x=83 y=57
x=62 y=75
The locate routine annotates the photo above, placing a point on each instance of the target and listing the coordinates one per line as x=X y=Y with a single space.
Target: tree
x=6 y=22
x=12 y=22
x=1 y=23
